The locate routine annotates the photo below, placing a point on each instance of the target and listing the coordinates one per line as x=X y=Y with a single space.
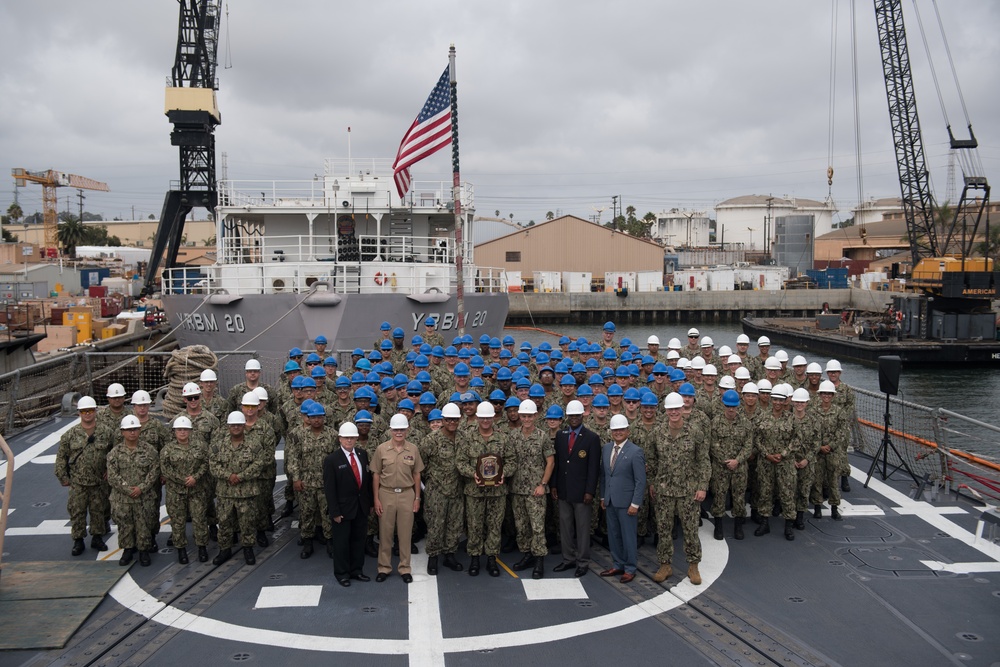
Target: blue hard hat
x=578 y=368
x=634 y=349
x=622 y=372
x=430 y=322
x=363 y=417
x=484 y=339
x=321 y=340
x=536 y=391
x=417 y=340
x=677 y=375
x=607 y=372
x=467 y=339
x=508 y=340
x=373 y=378
x=649 y=398
x=545 y=346
x=414 y=386
x=364 y=392
x=308 y=383
x=406 y=404
x=314 y=358
x=616 y=390
x=498 y=395
x=297 y=382
x=584 y=390
x=374 y=355
x=455 y=398
x=567 y=381
x=398 y=332
x=316 y=410
x=505 y=354
x=476 y=362
x=387 y=384
x=357 y=377
x=512 y=402
x=411 y=356
x=660 y=367
x=563 y=340
x=342 y=382
x=465 y=353
x=363 y=365
x=434 y=415
x=686 y=389
x=318 y=372
x=542 y=358
x=424 y=377
x=523 y=383
x=631 y=394
x=554 y=412
x=451 y=351
x=556 y=354
x=633 y=370
x=609 y=326
x=593 y=348
x=595 y=379
x=574 y=346
x=461 y=370
x=421 y=361
x=503 y=373
x=730 y=398
x=470 y=397
x=601 y=401
x=426 y=349
x=292 y=367
x=592 y=364
x=385 y=345
x=385 y=326
x=562 y=367
x=513 y=363
x=523 y=357
x=582 y=341
x=646 y=360
x=610 y=354
x=306 y=404
x=487 y=371
x=457 y=341
x=477 y=383
x=626 y=343
x=495 y=343
x=330 y=361
x=626 y=356
x=525 y=346
x=437 y=351
x=400 y=380
x=294 y=352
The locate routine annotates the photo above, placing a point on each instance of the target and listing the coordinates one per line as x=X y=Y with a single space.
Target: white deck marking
x=847 y=509
x=425 y=632
x=43 y=445
x=554 y=589
x=271 y=597
x=279 y=455
x=47 y=527
x=45 y=460
x=961 y=568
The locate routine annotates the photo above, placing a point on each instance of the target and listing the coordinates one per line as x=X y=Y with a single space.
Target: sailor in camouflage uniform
x=81 y=464
x=844 y=400
x=184 y=468
x=681 y=471
x=804 y=450
x=237 y=461
x=534 y=455
x=444 y=502
x=304 y=466
x=643 y=432
x=431 y=336
x=775 y=465
x=731 y=444
x=834 y=432
x=134 y=476
x=210 y=399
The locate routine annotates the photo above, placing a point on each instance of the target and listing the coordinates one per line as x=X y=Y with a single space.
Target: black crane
x=192 y=109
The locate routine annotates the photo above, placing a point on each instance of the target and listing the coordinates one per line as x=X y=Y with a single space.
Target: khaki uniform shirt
x=396 y=468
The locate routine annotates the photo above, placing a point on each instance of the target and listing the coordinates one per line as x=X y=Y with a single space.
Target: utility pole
x=81 y=197
x=614 y=211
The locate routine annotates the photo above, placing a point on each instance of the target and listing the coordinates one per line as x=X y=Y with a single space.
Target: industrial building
x=750 y=219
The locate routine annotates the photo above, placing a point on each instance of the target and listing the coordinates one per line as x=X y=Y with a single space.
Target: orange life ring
x=379 y=278
x=899 y=316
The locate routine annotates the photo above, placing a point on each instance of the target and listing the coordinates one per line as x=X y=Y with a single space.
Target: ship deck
x=899 y=581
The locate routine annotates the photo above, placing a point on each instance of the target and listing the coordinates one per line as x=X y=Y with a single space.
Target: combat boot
x=755 y=516
x=524 y=563
x=97 y=542
x=474 y=566
x=432 y=565
x=370 y=549
x=262 y=540
x=144 y=558
x=835 y=513
x=224 y=555
x=738 y=528
x=718 y=528
x=248 y=556
x=693 y=574
x=764 y=528
x=491 y=566
x=789 y=529
x=845 y=484
x=182 y=556
x=666 y=569
x=126 y=558
x=307 y=549
x=202 y=554
x=78 y=547
x=817 y=511
x=451 y=563
x=800 y=523
x=287 y=510
x=539 y=570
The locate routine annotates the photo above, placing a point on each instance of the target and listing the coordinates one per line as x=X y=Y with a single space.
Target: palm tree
x=71 y=234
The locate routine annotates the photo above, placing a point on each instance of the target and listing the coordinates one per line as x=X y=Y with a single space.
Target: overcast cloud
x=562 y=104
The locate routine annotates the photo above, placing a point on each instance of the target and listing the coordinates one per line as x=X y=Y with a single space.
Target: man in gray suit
x=623 y=483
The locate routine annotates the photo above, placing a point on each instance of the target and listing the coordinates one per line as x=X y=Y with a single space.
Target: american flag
x=429 y=133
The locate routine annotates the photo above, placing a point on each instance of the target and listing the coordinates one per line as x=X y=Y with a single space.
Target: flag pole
x=457 y=196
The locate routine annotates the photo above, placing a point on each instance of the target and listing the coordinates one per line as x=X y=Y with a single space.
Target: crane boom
x=50 y=180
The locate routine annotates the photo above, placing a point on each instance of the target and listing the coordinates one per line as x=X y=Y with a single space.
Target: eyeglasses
x=630 y=401
x=192 y=398
x=87 y=410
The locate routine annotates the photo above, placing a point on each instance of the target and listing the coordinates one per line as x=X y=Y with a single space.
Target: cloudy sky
x=563 y=104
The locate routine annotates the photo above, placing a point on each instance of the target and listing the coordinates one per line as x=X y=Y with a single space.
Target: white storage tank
x=576 y=281
x=547 y=281
x=649 y=281
x=691 y=280
x=616 y=280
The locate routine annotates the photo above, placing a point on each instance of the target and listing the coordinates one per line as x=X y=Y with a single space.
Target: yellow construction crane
x=50 y=180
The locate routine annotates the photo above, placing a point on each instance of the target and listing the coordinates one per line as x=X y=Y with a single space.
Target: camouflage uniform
x=681 y=467
x=235 y=399
x=237 y=503
x=444 y=505
x=805 y=446
x=82 y=461
x=177 y=463
x=709 y=404
x=845 y=400
x=270 y=432
x=834 y=429
x=644 y=435
x=304 y=463
x=484 y=505
x=775 y=436
x=530 y=453
x=217 y=406
x=434 y=338
x=730 y=440
x=127 y=468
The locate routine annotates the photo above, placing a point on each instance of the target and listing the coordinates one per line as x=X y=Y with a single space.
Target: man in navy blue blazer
x=349 y=498
x=623 y=484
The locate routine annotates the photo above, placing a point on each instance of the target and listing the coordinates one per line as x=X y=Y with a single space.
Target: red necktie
x=572 y=440
x=357 y=470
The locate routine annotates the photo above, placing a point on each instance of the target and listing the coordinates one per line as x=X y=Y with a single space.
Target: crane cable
x=833 y=95
x=862 y=231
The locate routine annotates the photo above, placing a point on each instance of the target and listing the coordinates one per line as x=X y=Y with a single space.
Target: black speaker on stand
x=889 y=368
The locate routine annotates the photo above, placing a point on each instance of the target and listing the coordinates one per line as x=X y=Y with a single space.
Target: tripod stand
x=883 y=452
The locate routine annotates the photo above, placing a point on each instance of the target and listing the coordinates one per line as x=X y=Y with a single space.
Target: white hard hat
x=832 y=365
x=734 y=359
x=698 y=363
x=141 y=398
x=772 y=364
x=485 y=410
x=191 y=389
x=800 y=395
x=814 y=368
x=781 y=355
x=399 y=421
x=618 y=422
x=115 y=390
x=673 y=354
x=750 y=388
x=86 y=403
x=130 y=421
x=652 y=340
x=250 y=398
x=236 y=417
x=710 y=369
x=706 y=341
x=743 y=339
x=451 y=411
x=764 y=387
x=727 y=382
x=252 y=365
x=742 y=373
x=673 y=400
x=574 y=408
x=778 y=391
x=527 y=407
x=182 y=422
x=725 y=351
x=763 y=340
x=674 y=344
x=827 y=387
x=261 y=393
x=693 y=332
x=348 y=430
x=683 y=363
x=799 y=360
x=208 y=375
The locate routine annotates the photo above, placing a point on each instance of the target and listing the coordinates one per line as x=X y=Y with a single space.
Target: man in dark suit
x=623 y=484
x=348 y=487
x=577 y=469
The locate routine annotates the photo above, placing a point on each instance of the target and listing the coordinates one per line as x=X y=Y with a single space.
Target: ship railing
x=8 y=490
x=937 y=443
x=253 y=249
x=339 y=197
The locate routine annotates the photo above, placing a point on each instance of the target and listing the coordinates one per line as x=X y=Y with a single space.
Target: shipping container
x=619 y=280
x=691 y=280
x=648 y=281
x=721 y=279
x=576 y=281
x=547 y=281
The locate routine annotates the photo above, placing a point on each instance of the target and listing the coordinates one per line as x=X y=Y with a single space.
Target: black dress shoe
x=380 y=577
x=144 y=558
x=222 y=557
x=202 y=554
x=126 y=558
x=344 y=582
x=78 y=547
x=580 y=571
x=491 y=566
x=262 y=540
x=361 y=577
x=97 y=542
x=563 y=566
x=407 y=578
